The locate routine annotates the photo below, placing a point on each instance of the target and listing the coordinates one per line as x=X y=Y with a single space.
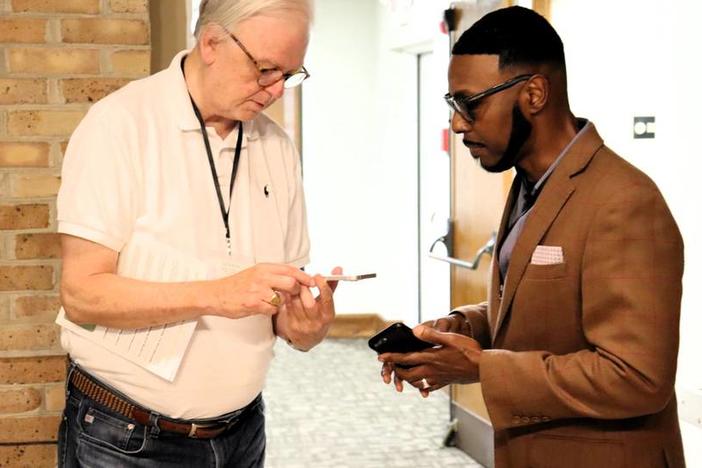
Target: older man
x=181 y=201
x=576 y=346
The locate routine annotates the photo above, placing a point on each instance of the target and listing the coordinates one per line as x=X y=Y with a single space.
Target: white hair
x=229 y=13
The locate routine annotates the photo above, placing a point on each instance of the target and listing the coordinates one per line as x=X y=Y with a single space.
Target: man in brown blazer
x=576 y=346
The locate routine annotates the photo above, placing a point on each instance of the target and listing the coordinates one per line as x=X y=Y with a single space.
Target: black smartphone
x=397 y=338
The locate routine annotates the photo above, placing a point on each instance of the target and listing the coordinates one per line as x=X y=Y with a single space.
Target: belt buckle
x=194 y=427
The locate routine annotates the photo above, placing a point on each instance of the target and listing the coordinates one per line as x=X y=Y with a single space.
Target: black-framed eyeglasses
x=270 y=76
x=466 y=105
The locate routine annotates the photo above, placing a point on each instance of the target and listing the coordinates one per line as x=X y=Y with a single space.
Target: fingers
x=398 y=383
x=285 y=297
x=444 y=324
x=337 y=270
x=326 y=294
x=308 y=301
x=435 y=336
x=406 y=359
x=287 y=284
x=277 y=269
x=386 y=372
x=266 y=308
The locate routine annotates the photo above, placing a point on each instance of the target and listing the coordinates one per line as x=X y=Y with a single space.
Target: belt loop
x=153 y=423
x=70 y=368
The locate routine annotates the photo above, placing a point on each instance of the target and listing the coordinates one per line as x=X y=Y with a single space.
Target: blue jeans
x=92 y=435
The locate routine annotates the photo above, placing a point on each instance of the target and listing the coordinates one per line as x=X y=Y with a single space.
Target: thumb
x=432 y=335
x=336 y=271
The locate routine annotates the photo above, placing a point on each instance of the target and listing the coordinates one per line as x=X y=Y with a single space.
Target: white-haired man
x=180 y=201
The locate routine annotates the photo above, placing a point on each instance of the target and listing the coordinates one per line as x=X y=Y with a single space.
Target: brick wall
x=56 y=57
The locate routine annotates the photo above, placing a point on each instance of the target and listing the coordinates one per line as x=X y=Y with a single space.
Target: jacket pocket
x=551 y=451
x=538 y=272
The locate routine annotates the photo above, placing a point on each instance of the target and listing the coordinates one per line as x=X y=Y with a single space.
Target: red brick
x=129 y=6
x=40 y=245
x=29 y=429
x=35 y=185
x=54 y=398
x=19 y=400
x=43 y=122
x=53 y=61
x=56 y=6
x=27 y=30
x=105 y=31
x=24 y=216
x=90 y=89
x=22 y=91
x=19 y=154
x=28 y=455
x=34 y=370
x=28 y=337
x=37 y=307
x=25 y=278
x=131 y=62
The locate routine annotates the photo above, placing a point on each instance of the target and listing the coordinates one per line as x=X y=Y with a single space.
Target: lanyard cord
x=235 y=167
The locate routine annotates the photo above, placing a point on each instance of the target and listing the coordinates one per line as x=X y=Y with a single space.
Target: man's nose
x=459 y=124
x=277 y=89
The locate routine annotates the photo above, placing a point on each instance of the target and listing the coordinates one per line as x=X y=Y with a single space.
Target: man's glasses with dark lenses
x=270 y=76
x=466 y=105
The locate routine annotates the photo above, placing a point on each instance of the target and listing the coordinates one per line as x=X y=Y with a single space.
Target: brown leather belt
x=104 y=396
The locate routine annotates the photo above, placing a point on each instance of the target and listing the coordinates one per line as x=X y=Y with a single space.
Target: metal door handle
x=486 y=249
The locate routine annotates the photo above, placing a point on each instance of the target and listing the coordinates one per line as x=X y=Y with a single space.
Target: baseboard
x=475 y=436
x=356 y=325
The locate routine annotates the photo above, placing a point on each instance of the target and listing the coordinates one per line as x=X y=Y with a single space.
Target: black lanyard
x=235 y=167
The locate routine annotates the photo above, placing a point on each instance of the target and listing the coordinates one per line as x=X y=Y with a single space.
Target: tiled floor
x=329 y=408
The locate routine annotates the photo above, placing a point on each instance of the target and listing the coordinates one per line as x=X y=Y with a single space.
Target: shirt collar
x=187 y=121
x=534 y=189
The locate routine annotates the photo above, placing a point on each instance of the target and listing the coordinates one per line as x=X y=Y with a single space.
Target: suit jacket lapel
x=554 y=195
x=495 y=280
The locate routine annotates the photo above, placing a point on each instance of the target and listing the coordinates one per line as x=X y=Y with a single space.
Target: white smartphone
x=349 y=277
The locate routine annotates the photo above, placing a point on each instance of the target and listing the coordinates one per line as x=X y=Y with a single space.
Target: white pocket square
x=547 y=255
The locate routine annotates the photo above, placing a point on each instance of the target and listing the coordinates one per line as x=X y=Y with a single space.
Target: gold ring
x=425 y=384
x=275 y=299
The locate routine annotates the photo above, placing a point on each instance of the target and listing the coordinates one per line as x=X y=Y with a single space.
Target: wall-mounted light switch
x=644 y=127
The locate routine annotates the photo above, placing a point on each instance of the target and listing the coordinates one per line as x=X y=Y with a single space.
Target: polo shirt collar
x=186 y=116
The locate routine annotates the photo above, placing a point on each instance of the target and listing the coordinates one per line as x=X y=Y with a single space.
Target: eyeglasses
x=466 y=105
x=270 y=76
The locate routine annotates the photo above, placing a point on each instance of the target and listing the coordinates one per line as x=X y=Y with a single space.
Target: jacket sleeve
x=631 y=285
x=476 y=317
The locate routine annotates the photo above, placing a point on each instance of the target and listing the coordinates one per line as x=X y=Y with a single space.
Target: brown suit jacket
x=582 y=354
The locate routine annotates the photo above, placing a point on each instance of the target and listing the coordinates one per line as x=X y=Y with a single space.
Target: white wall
x=360 y=147
x=641 y=58
x=359 y=156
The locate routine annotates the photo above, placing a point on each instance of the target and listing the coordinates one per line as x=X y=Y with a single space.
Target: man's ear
x=538 y=91
x=210 y=39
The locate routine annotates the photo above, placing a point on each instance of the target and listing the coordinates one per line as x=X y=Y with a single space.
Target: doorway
x=433 y=186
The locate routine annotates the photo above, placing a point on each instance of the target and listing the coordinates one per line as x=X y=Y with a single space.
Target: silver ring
x=425 y=384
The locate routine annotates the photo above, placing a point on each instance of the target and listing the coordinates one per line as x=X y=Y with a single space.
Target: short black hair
x=520 y=36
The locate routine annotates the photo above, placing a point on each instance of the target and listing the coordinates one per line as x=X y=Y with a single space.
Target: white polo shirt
x=136 y=179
